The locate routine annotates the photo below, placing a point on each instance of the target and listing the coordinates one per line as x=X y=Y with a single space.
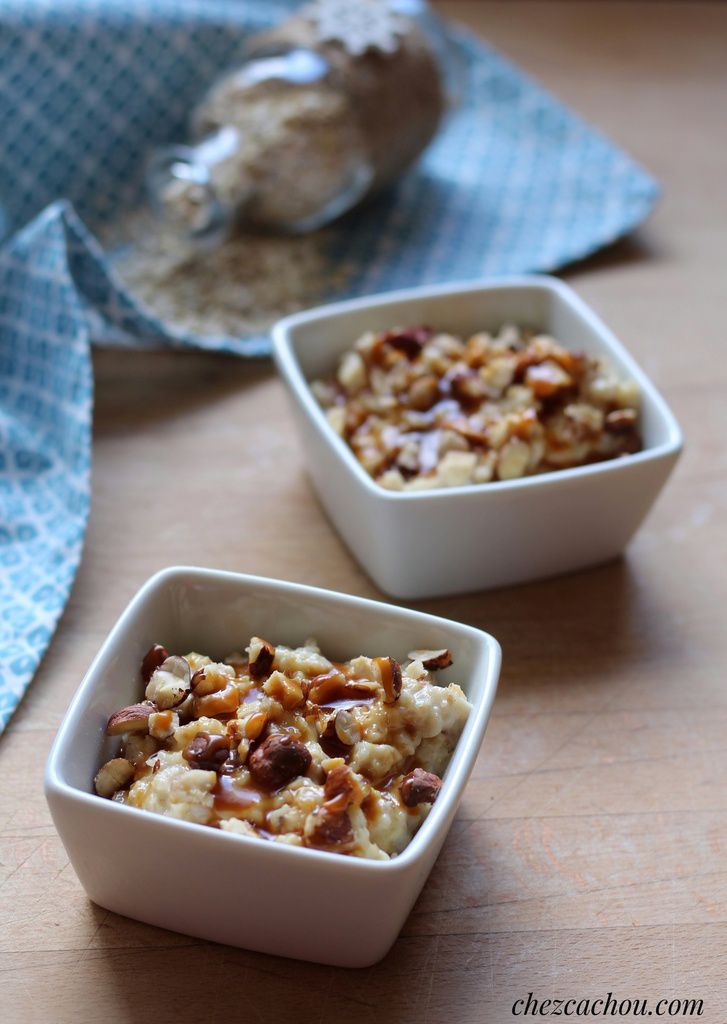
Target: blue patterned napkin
x=515 y=182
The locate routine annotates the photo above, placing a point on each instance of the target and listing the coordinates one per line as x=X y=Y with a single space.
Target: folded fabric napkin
x=513 y=183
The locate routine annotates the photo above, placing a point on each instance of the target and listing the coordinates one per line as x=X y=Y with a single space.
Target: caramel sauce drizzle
x=229 y=797
x=334 y=689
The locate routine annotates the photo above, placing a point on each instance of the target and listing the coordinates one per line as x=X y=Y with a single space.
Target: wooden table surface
x=589 y=852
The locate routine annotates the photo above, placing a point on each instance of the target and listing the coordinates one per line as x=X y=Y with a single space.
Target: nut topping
x=547 y=378
x=620 y=421
x=423 y=409
x=153 y=658
x=277 y=760
x=346 y=727
x=408 y=340
x=390 y=678
x=340 y=789
x=201 y=684
x=207 y=752
x=211 y=679
x=423 y=393
x=134 y=718
x=221 y=702
x=432 y=660
x=113 y=776
x=254 y=725
x=138 y=747
x=420 y=787
x=262 y=656
x=329 y=829
x=287 y=692
x=334 y=685
x=315 y=754
x=170 y=683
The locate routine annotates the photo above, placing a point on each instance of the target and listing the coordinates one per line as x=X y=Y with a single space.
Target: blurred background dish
x=428 y=543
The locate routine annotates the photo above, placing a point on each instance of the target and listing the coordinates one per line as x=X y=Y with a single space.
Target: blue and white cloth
x=514 y=183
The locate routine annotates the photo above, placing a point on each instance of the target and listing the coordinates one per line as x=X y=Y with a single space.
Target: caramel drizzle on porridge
x=261 y=758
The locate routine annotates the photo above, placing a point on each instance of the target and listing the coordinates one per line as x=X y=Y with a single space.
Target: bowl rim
x=290 y=369
x=462 y=760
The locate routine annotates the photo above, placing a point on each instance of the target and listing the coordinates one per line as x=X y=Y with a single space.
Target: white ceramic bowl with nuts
x=429 y=542
x=286 y=900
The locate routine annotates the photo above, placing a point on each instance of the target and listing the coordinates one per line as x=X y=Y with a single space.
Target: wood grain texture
x=589 y=852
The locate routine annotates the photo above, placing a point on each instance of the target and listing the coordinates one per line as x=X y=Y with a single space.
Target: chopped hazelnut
x=138 y=747
x=170 y=683
x=408 y=340
x=352 y=372
x=336 y=416
x=262 y=656
x=211 y=679
x=469 y=388
x=152 y=660
x=390 y=672
x=346 y=728
x=432 y=660
x=254 y=725
x=333 y=685
x=456 y=469
x=207 y=752
x=134 y=718
x=221 y=702
x=392 y=480
x=328 y=829
x=547 y=378
x=424 y=392
x=278 y=760
x=113 y=776
x=621 y=421
x=341 y=788
x=287 y=692
x=513 y=460
x=420 y=787
x=587 y=419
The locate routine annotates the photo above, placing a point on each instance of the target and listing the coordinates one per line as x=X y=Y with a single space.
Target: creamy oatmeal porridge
x=286 y=745
x=423 y=409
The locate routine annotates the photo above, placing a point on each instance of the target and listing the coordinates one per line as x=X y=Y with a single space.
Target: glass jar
x=324 y=111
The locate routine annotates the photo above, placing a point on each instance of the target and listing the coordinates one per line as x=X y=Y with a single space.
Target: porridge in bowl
x=423 y=409
x=286 y=745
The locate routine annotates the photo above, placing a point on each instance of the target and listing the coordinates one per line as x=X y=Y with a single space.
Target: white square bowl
x=425 y=544
x=265 y=896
